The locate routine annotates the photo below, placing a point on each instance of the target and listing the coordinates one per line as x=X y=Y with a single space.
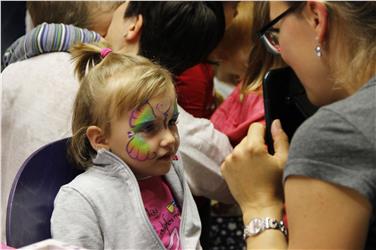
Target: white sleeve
x=203 y=148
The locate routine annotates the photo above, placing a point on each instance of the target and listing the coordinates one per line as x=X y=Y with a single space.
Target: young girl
x=133 y=194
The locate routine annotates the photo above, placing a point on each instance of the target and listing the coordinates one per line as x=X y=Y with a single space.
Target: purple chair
x=33 y=192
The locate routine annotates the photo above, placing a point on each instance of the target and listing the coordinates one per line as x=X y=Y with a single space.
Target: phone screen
x=284 y=99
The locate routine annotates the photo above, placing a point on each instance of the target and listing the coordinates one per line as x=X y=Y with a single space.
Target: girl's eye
x=173 y=122
x=148 y=128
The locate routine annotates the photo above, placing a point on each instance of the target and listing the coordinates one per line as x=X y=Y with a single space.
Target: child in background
x=245 y=105
x=194 y=86
x=195 y=91
x=133 y=194
x=233 y=51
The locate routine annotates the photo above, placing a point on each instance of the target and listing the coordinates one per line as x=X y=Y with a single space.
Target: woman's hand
x=253 y=175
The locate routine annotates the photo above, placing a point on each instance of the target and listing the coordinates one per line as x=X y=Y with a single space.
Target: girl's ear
x=134 y=28
x=97 y=138
x=317 y=14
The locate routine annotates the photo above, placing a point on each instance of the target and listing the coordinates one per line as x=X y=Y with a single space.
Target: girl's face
x=298 y=36
x=147 y=138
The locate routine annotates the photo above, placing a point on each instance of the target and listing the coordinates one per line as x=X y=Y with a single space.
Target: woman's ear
x=134 y=28
x=96 y=138
x=317 y=15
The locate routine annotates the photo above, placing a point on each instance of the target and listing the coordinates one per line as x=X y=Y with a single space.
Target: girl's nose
x=169 y=137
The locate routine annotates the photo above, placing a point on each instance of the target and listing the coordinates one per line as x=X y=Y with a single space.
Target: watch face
x=255 y=226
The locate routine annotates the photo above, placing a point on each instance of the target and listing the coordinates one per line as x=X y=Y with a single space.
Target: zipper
x=184 y=208
x=140 y=203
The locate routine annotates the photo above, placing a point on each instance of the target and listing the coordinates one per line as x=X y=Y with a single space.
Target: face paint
x=138 y=149
x=161 y=108
x=141 y=118
x=130 y=134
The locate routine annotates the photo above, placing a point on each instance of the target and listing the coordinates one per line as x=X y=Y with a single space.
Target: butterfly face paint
x=164 y=109
x=146 y=122
x=146 y=138
x=141 y=117
x=140 y=120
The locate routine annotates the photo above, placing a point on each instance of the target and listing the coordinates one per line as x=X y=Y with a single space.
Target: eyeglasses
x=270 y=35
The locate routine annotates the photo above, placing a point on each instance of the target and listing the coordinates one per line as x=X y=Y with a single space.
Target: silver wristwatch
x=258 y=225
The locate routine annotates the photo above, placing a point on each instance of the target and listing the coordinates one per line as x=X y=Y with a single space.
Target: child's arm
x=74 y=221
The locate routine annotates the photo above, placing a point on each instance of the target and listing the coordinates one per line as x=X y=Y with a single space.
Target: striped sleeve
x=47 y=38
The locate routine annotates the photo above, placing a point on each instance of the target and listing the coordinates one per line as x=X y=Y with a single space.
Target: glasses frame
x=262 y=32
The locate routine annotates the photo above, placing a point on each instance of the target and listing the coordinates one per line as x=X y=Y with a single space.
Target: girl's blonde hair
x=351 y=42
x=109 y=87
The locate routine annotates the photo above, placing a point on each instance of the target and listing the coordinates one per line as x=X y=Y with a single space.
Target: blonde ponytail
x=86 y=56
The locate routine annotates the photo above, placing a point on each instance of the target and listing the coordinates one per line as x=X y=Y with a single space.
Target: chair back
x=31 y=199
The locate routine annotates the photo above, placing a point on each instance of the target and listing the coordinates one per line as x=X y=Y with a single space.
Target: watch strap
x=258 y=225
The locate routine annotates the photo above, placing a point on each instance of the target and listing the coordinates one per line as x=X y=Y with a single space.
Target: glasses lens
x=270 y=39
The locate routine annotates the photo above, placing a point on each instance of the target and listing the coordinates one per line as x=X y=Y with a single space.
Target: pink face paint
x=130 y=134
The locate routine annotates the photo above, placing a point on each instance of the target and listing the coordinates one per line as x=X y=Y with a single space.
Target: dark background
x=12 y=22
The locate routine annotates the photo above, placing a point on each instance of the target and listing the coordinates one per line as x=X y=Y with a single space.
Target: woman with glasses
x=328 y=173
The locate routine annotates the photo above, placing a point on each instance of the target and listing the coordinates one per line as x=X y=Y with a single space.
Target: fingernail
x=277 y=124
x=276 y=127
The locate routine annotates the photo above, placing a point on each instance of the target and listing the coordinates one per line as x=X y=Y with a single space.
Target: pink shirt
x=234 y=116
x=162 y=210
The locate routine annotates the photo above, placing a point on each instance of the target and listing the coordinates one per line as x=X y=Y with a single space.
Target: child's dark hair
x=178 y=34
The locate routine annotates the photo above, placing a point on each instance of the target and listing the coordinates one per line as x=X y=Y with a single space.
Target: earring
x=318 y=50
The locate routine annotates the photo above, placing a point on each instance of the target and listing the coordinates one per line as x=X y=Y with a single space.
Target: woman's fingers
x=281 y=142
x=255 y=138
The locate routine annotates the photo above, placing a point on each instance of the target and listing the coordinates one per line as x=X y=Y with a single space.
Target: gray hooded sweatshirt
x=102 y=208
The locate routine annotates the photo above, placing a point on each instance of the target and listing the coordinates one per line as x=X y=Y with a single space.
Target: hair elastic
x=105 y=52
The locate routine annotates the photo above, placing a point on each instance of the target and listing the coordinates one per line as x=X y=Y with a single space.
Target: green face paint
x=140 y=120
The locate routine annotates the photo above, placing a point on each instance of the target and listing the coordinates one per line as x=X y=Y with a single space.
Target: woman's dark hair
x=178 y=34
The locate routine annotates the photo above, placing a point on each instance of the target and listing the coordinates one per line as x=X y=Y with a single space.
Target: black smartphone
x=284 y=99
